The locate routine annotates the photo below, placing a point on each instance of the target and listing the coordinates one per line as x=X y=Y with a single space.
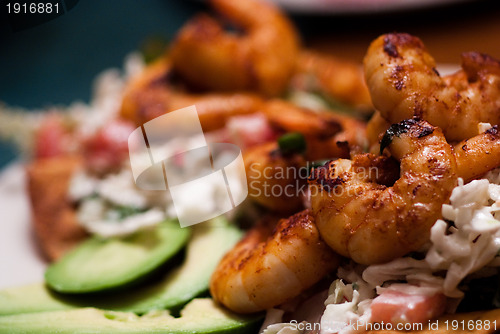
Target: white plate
x=20 y=260
x=358 y=6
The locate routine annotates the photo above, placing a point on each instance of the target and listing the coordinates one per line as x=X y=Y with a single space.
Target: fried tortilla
x=54 y=217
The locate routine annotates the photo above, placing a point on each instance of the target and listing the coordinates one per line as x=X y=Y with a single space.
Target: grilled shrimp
x=267 y=268
x=341 y=80
x=328 y=135
x=375 y=129
x=475 y=156
x=478 y=155
x=404 y=83
x=152 y=94
x=275 y=181
x=261 y=59
x=371 y=222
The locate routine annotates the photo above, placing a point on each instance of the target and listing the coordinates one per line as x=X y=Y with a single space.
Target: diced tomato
x=395 y=307
x=179 y=159
x=108 y=147
x=52 y=138
x=219 y=136
x=250 y=130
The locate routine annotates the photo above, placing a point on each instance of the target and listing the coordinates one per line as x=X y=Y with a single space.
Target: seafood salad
x=373 y=191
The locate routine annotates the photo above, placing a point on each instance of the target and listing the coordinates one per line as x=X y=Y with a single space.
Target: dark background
x=55 y=62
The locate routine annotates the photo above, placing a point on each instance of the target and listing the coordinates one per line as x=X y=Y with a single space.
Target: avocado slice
x=200 y=316
x=103 y=264
x=208 y=244
x=34 y=298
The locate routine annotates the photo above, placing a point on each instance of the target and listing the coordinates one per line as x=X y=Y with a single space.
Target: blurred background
x=54 y=63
